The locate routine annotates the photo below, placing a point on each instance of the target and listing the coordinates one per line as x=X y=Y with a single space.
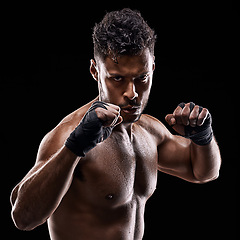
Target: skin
x=103 y=195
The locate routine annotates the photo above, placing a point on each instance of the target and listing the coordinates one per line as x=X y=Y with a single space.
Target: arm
x=37 y=196
x=40 y=192
x=206 y=161
x=182 y=157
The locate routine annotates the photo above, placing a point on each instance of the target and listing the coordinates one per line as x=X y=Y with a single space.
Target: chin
x=131 y=118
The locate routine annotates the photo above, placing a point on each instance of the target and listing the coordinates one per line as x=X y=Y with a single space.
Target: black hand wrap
x=89 y=132
x=201 y=135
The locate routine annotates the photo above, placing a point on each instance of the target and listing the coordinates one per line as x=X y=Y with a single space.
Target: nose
x=130 y=91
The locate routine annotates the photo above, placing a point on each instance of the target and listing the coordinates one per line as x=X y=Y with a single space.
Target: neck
x=124 y=128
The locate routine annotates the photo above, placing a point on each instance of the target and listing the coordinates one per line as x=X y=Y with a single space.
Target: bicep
x=174 y=157
x=47 y=148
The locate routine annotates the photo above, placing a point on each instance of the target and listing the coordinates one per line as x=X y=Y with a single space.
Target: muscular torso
x=110 y=187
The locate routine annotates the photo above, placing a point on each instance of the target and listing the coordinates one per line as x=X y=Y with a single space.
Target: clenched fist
x=109 y=115
x=95 y=127
x=192 y=121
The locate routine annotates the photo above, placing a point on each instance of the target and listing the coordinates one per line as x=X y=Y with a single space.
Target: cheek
x=145 y=97
x=144 y=90
x=115 y=91
x=109 y=91
x=110 y=88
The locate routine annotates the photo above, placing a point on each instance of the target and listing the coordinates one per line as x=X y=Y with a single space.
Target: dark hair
x=122 y=33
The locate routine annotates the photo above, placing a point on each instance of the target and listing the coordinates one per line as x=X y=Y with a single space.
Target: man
x=97 y=168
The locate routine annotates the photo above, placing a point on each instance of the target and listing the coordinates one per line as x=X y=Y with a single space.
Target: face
x=126 y=83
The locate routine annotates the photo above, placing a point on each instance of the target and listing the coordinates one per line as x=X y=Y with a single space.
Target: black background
x=45 y=53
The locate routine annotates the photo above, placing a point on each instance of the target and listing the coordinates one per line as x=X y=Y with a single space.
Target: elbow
x=22 y=222
x=17 y=215
x=19 y=221
x=207 y=178
x=21 y=217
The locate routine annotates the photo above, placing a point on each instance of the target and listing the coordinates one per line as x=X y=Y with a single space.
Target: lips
x=131 y=109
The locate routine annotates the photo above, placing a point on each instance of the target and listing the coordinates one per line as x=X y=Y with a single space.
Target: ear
x=93 y=69
x=153 y=67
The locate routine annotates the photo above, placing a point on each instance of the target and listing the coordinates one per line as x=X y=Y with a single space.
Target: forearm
x=40 y=194
x=206 y=161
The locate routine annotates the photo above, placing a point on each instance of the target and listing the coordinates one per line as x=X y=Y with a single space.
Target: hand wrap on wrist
x=201 y=135
x=89 y=132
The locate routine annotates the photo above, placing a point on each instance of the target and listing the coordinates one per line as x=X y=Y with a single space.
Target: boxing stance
x=97 y=168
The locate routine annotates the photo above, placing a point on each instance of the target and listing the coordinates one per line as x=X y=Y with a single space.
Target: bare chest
x=119 y=168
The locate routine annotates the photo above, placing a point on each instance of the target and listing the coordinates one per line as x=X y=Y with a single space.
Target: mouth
x=131 y=109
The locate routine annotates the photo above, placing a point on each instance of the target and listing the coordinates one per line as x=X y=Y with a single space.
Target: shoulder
x=55 y=139
x=154 y=127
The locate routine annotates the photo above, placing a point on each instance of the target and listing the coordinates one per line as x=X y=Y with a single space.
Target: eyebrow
x=119 y=75
x=143 y=74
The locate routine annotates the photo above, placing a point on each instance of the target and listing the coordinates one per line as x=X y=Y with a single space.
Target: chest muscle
x=119 y=168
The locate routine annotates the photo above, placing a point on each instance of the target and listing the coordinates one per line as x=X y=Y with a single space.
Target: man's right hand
x=110 y=117
x=95 y=127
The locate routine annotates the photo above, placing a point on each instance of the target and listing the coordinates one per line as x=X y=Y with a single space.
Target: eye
x=143 y=78
x=117 y=78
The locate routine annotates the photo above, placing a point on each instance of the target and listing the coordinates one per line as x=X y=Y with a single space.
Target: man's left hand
x=192 y=121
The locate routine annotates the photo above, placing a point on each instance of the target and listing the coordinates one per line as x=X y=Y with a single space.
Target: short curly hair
x=122 y=32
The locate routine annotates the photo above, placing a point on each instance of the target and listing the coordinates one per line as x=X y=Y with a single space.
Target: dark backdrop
x=45 y=76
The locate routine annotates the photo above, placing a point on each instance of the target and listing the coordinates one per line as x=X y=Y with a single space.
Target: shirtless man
x=97 y=168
